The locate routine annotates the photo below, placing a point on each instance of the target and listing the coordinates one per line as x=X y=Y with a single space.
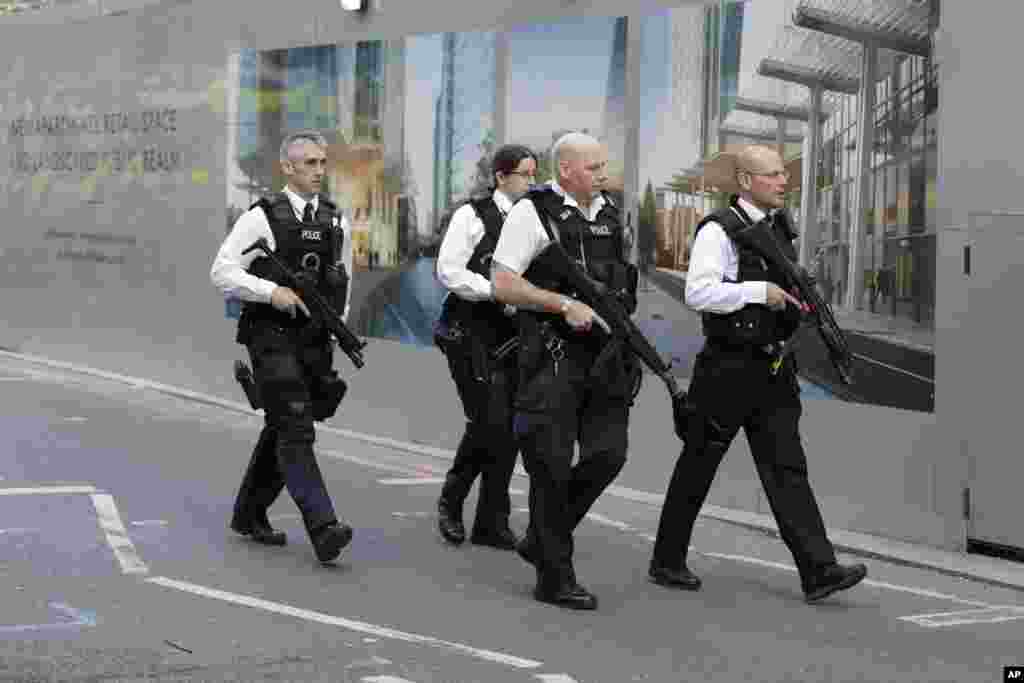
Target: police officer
x=746 y=314
x=564 y=396
x=291 y=353
x=478 y=336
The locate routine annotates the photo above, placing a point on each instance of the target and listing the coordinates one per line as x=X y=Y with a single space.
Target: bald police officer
x=746 y=315
x=563 y=397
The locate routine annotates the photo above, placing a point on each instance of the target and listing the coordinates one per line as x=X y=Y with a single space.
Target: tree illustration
x=646 y=228
x=482 y=178
x=260 y=176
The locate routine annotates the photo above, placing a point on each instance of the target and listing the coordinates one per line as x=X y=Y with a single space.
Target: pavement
x=115 y=494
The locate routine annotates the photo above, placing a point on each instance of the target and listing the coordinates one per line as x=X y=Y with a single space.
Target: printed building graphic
x=354 y=95
x=464 y=117
x=615 y=119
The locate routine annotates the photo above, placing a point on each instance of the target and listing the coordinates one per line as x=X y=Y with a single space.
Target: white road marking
x=17 y=531
x=76 y=419
x=350 y=624
x=384 y=679
x=13 y=379
x=46 y=490
x=117 y=536
x=923 y=592
x=150 y=522
x=990 y=615
x=413 y=481
x=607 y=521
x=555 y=678
x=79 y=618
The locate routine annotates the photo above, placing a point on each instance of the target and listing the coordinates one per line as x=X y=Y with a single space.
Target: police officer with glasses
x=479 y=337
x=746 y=315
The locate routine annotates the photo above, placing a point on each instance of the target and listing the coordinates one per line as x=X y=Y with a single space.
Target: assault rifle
x=347 y=341
x=613 y=318
x=761 y=238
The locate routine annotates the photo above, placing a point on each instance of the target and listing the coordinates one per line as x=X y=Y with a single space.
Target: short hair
x=301 y=136
x=508 y=158
x=574 y=137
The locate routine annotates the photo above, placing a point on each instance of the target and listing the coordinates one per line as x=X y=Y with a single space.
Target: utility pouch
x=327 y=392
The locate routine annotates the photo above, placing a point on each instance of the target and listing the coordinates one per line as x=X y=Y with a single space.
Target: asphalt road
x=117 y=565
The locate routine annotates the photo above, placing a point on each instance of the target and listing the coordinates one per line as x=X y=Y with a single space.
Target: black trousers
x=736 y=389
x=487 y=448
x=285 y=371
x=581 y=411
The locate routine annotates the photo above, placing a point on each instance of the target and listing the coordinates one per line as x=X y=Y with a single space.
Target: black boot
x=833 y=578
x=449 y=521
x=260 y=531
x=330 y=539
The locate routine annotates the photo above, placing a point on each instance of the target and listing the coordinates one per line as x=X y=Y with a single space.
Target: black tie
x=307 y=214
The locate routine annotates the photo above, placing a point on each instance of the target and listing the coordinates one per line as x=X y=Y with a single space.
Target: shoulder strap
x=276 y=206
x=727 y=218
x=609 y=202
x=326 y=209
x=541 y=199
x=487 y=211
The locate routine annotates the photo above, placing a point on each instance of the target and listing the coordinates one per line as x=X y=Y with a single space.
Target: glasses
x=523 y=174
x=771 y=174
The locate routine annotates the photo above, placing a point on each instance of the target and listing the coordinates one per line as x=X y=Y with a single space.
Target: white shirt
x=464 y=233
x=523 y=236
x=714 y=258
x=228 y=272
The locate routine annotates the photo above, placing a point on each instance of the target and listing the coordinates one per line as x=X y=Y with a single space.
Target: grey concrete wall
x=979 y=171
x=111 y=265
x=111 y=269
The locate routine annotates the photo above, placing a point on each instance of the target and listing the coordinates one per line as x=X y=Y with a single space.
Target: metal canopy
x=758 y=124
x=811 y=58
x=755 y=133
x=773 y=68
x=770 y=108
x=901 y=25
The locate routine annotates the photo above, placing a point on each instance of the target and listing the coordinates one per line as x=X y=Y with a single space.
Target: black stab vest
x=754 y=324
x=304 y=248
x=484 y=319
x=595 y=245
